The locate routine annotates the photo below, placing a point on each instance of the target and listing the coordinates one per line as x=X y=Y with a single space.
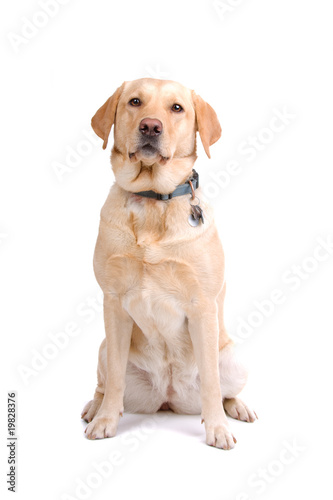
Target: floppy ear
x=104 y=118
x=208 y=124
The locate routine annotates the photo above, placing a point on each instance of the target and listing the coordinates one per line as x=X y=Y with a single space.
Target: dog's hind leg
x=233 y=376
x=141 y=396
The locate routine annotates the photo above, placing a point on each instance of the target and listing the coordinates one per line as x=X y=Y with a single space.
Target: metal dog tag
x=192 y=221
x=196 y=215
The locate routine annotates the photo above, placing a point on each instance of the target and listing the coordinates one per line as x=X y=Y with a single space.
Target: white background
x=256 y=57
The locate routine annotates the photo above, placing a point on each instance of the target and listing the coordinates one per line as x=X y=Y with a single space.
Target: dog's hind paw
x=91 y=408
x=235 y=408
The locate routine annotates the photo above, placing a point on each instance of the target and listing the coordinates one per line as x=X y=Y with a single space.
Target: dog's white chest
x=154 y=303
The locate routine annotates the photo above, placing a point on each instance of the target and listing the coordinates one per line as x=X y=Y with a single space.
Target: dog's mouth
x=148 y=152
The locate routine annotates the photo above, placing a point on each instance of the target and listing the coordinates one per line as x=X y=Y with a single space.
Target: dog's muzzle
x=150 y=130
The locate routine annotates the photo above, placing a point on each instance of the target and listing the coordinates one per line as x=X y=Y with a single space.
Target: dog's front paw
x=102 y=427
x=220 y=436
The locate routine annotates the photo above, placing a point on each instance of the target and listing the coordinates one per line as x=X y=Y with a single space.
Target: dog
x=160 y=264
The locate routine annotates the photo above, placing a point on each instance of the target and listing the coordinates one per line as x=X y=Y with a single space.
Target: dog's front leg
x=203 y=329
x=118 y=330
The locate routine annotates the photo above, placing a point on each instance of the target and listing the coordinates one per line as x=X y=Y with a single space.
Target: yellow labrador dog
x=160 y=264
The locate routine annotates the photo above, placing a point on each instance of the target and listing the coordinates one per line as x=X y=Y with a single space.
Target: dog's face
x=155 y=125
x=155 y=122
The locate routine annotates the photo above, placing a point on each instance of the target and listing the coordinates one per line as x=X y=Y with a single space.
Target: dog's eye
x=135 y=102
x=177 y=108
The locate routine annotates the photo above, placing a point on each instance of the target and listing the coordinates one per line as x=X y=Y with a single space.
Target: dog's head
x=155 y=124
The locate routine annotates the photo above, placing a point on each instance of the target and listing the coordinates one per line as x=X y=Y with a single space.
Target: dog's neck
x=188 y=187
x=155 y=222
x=147 y=218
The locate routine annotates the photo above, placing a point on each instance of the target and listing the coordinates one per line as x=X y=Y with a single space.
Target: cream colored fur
x=163 y=281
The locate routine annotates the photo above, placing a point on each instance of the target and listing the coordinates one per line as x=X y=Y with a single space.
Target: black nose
x=150 y=127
